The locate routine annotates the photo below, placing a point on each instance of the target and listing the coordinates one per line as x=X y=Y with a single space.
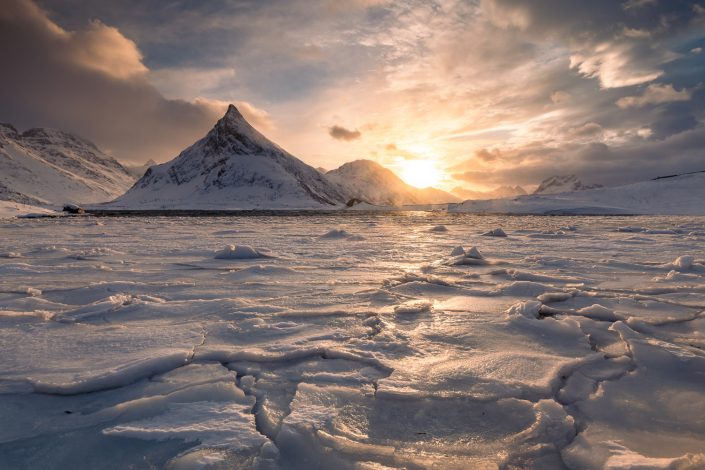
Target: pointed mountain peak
x=234 y=133
x=233 y=114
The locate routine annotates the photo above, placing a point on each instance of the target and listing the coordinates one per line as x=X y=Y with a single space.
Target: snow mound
x=683 y=263
x=599 y=312
x=418 y=306
x=528 y=309
x=458 y=251
x=498 y=232
x=471 y=256
x=340 y=234
x=239 y=252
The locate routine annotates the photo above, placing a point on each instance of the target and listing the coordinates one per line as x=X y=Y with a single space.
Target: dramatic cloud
x=654 y=94
x=341 y=133
x=91 y=82
x=496 y=91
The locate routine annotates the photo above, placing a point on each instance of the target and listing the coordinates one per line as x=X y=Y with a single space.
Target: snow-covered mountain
x=563 y=184
x=232 y=167
x=371 y=182
x=500 y=192
x=137 y=171
x=52 y=167
x=680 y=194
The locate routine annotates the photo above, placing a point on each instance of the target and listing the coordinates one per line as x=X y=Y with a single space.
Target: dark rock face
x=73 y=209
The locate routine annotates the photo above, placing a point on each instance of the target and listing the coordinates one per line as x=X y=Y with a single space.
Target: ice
x=340 y=234
x=683 y=263
x=239 y=252
x=414 y=307
x=438 y=229
x=128 y=345
x=458 y=251
x=497 y=232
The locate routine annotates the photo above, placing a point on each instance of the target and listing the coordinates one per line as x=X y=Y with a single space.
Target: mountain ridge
x=43 y=166
x=233 y=166
x=368 y=181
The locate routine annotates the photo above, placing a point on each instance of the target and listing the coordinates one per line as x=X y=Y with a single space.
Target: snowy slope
x=501 y=191
x=563 y=184
x=138 y=171
x=371 y=182
x=684 y=194
x=10 y=209
x=232 y=167
x=51 y=167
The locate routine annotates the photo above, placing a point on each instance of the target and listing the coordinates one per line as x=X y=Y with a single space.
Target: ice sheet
x=358 y=341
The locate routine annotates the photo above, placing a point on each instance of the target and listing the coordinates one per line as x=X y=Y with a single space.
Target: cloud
x=341 y=133
x=615 y=65
x=92 y=82
x=190 y=82
x=534 y=83
x=560 y=96
x=654 y=94
x=636 y=4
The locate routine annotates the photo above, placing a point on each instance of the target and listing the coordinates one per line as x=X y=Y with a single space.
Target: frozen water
x=239 y=252
x=497 y=232
x=575 y=343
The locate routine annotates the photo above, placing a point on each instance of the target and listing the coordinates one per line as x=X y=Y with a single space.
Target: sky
x=475 y=94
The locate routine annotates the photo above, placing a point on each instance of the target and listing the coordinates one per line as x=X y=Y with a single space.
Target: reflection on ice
x=575 y=343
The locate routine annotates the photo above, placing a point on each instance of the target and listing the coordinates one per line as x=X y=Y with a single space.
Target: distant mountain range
x=51 y=167
x=236 y=167
x=370 y=182
x=676 y=194
x=500 y=192
x=563 y=184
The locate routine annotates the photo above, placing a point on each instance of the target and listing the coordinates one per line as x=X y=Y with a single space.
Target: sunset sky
x=475 y=93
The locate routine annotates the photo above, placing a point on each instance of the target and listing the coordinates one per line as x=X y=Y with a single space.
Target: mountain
x=232 y=167
x=497 y=193
x=370 y=182
x=679 y=195
x=52 y=167
x=562 y=184
x=137 y=171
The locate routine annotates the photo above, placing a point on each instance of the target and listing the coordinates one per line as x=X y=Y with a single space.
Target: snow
x=438 y=229
x=127 y=344
x=233 y=167
x=51 y=167
x=681 y=194
x=497 y=232
x=239 y=252
x=562 y=184
x=10 y=209
x=376 y=185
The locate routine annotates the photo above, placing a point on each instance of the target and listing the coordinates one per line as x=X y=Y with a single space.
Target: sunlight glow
x=421 y=173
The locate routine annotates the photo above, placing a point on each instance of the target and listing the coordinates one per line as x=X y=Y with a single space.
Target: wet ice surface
x=570 y=343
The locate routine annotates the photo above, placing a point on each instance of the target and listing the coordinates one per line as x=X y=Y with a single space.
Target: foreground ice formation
x=497 y=232
x=239 y=252
x=127 y=345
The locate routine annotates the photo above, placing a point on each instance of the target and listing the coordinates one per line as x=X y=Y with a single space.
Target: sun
x=421 y=173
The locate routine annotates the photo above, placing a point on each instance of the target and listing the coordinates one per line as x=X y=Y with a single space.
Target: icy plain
x=266 y=342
